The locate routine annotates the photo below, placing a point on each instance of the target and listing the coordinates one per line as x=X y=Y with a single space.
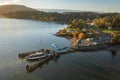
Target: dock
x=54 y=56
x=40 y=62
x=23 y=55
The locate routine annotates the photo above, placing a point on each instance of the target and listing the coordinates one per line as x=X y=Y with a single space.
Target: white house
x=69 y=30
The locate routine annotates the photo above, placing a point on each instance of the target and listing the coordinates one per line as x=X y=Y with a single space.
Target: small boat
x=57 y=49
x=38 y=55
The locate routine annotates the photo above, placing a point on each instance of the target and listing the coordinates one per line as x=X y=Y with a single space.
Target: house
x=90 y=33
x=109 y=28
x=92 y=24
x=69 y=30
x=93 y=43
x=90 y=39
x=84 y=30
x=87 y=42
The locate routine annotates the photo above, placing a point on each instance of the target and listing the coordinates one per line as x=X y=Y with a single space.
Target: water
x=26 y=35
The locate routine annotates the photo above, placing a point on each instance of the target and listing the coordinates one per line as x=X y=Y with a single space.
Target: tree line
x=66 y=17
x=108 y=22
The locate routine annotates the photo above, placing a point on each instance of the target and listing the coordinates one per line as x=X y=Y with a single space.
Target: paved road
x=103 y=36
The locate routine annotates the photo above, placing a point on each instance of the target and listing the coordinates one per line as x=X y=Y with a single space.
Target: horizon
x=80 y=5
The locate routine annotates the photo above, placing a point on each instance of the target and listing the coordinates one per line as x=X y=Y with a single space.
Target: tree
x=75 y=33
x=81 y=35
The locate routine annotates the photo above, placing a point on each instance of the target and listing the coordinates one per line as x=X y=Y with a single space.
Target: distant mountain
x=66 y=10
x=59 y=10
x=11 y=8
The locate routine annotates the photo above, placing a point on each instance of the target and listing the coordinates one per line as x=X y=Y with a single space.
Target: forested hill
x=59 y=17
x=23 y=12
x=11 y=8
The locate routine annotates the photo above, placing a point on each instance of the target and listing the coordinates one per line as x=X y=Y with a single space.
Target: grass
x=109 y=31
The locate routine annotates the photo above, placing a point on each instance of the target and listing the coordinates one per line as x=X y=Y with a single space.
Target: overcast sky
x=86 y=5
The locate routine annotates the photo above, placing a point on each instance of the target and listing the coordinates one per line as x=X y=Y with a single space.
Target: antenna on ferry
x=40 y=40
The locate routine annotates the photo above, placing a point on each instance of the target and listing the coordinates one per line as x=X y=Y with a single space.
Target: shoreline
x=114 y=48
x=110 y=47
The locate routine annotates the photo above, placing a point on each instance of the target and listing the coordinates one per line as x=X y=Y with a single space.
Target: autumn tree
x=81 y=35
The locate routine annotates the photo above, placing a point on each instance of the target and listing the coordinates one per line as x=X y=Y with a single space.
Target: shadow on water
x=41 y=63
x=46 y=61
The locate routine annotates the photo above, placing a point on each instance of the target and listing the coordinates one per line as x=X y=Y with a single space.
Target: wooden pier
x=40 y=62
x=23 y=55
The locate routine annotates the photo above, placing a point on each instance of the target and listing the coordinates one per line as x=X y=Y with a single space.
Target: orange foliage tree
x=81 y=35
x=75 y=33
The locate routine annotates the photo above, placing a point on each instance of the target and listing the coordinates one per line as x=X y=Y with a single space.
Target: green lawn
x=109 y=31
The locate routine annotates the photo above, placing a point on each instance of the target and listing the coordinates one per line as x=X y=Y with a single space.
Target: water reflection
x=113 y=53
x=56 y=58
x=33 y=35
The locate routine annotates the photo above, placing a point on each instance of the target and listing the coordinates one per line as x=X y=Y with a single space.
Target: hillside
x=22 y=12
x=57 y=17
x=12 y=8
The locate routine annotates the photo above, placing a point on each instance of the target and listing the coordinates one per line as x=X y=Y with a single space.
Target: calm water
x=26 y=35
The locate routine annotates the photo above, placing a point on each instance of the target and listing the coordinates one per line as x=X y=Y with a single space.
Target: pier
x=54 y=56
x=41 y=62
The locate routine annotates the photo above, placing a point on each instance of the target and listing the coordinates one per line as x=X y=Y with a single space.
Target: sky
x=84 y=5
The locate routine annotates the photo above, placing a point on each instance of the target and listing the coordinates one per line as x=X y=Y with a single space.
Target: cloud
x=16 y=0
x=11 y=2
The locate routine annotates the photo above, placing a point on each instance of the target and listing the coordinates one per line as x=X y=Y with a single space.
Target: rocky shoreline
x=110 y=47
x=114 y=48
